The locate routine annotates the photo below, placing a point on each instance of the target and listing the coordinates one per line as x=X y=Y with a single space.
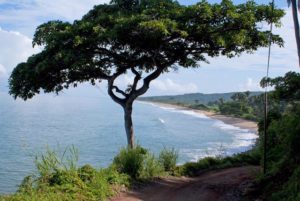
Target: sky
x=19 y=19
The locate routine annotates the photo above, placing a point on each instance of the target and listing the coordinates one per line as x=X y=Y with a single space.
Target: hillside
x=198 y=98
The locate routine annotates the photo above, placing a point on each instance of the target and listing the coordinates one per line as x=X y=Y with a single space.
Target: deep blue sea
x=95 y=127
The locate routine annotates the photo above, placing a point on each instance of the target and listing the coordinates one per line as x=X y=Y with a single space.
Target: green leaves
x=156 y=27
x=286 y=87
x=126 y=4
x=49 y=33
x=146 y=35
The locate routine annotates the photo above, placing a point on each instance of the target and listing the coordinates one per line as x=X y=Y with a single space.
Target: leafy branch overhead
x=151 y=37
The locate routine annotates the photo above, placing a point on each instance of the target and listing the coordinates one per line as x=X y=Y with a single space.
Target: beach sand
x=237 y=122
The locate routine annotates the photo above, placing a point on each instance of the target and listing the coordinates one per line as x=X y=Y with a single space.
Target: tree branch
x=119 y=91
x=147 y=81
x=136 y=79
x=111 y=87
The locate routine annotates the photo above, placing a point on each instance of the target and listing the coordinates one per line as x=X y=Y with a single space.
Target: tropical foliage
x=283 y=140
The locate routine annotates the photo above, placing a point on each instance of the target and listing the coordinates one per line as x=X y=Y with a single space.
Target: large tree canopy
x=144 y=37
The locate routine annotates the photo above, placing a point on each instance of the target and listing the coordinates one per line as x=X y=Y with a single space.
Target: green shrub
x=290 y=191
x=87 y=173
x=138 y=163
x=249 y=116
x=59 y=179
x=130 y=161
x=194 y=168
x=114 y=177
x=198 y=107
x=26 y=185
x=168 y=159
x=151 y=167
x=64 y=177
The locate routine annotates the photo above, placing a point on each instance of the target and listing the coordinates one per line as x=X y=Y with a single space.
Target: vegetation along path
x=227 y=184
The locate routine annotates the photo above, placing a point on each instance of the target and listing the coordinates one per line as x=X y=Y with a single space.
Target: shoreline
x=234 y=121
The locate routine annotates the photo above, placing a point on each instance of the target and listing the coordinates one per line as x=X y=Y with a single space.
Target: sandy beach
x=237 y=122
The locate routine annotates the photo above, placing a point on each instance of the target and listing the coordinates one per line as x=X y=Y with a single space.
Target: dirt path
x=210 y=186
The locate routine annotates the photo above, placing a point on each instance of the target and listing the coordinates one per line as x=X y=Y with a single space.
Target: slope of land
x=227 y=184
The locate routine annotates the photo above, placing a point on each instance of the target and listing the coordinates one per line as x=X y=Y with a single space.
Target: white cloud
x=250 y=85
x=15 y=48
x=168 y=86
x=2 y=70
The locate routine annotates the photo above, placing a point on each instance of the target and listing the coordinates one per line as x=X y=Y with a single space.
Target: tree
x=146 y=39
x=287 y=88
x=239 y=97
x=296 y=24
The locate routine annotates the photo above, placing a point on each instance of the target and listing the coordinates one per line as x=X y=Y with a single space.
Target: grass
x=209 y=163
x=58 y=176
x=168 y=159
x=138 y=163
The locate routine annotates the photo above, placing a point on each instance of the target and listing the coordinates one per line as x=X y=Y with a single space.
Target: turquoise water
x=95 y=127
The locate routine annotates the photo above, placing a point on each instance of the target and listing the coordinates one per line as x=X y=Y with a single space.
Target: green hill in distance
x=194 y=98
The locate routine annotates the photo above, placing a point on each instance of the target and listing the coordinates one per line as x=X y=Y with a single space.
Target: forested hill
x=194 y=98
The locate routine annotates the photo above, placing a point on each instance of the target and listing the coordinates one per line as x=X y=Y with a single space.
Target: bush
x=114 y=177
x=26 y=185
x=138 y=163
x=87 y=173
x=193 y=169
x=130 y=161
x=59 y=179
x=151 y=167
x=282 y=179
x=168 y=159
x=290 y=190
x=251 y=117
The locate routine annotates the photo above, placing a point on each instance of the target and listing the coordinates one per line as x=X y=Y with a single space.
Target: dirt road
x=223 y=185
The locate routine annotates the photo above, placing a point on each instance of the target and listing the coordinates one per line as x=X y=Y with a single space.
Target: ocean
x=94 y=125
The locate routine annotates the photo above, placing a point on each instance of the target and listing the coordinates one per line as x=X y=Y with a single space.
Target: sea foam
x=243 y=139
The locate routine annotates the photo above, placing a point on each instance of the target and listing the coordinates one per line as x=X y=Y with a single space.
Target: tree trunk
x=296 y=26
x=129 y=98
x=129 y=125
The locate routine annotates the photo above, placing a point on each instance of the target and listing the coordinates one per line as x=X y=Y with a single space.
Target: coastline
x=234 y=121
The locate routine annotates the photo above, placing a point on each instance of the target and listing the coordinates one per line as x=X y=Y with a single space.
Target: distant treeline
x=248 y=105
x=194 y=98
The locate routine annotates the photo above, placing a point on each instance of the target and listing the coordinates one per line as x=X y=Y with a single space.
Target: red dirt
x=210 y=186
